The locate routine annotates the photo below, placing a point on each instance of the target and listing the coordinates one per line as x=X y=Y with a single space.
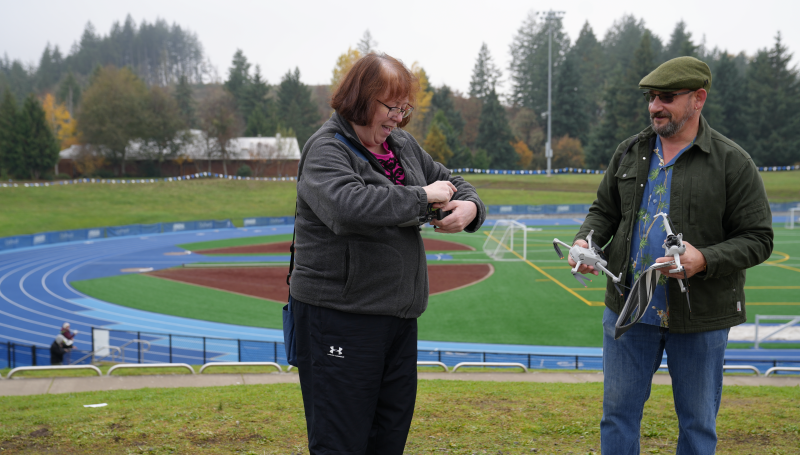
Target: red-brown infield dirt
x=270 y=282
x=283 y=247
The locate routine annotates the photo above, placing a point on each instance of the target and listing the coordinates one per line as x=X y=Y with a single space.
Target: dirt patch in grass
x=270 y=282
x=283 y=247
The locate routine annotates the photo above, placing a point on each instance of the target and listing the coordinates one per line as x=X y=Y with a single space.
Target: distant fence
x=583 y=209
x=132 y=181
x=150 y=347
x=49 y=238
x=575 y=170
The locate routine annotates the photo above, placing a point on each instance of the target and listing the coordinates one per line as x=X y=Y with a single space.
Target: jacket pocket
x=374 y=272
x=626 y=186
x=716 y=298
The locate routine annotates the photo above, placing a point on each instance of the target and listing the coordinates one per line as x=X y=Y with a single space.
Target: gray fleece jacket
x=350 y=254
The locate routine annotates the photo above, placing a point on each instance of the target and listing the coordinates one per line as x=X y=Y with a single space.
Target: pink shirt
x=391 y=165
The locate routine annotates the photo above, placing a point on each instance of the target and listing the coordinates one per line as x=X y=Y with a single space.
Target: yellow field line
x=773 y=303
x=778 y=262
x=539 y=269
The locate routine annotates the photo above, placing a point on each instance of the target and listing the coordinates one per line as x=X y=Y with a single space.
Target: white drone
x=592 y=256
x=673 y=246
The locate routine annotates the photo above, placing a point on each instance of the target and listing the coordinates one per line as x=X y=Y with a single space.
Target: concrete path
x=38 y=386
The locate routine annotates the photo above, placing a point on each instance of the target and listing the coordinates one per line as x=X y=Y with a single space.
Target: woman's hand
x=440 y=191
x=462 y=213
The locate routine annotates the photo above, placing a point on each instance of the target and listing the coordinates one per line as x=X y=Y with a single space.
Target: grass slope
x=180 y=299
x=458 y=417
x=242 y=241
x=54 y=208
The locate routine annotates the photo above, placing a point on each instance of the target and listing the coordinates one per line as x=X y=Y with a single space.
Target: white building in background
x=266 y=156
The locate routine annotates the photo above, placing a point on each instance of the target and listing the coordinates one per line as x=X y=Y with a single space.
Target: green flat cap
x=678 y=73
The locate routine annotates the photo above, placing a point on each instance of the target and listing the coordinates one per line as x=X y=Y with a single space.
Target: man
x=60 y=347
x=713 y=194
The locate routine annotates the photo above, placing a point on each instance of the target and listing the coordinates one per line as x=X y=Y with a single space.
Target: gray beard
x=672 y=127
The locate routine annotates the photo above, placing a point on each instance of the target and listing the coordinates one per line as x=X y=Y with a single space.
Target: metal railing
x=55 y=367
x=192 y=350
x=793 y=320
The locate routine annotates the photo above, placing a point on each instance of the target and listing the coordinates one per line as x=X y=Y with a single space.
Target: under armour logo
x=336 y=352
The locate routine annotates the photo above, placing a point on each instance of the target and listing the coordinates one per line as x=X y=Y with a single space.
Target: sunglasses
x=665 y=98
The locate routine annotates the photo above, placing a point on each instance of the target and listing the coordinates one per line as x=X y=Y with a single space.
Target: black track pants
x=359 y=379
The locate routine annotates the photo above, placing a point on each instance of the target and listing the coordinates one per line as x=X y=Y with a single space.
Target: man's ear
x=700 y=97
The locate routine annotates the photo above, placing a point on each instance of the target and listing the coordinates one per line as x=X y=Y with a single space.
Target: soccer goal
x=508 y=241
x=794 y=218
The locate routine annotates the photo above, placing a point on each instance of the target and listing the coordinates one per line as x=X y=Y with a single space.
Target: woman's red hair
x=373 y=77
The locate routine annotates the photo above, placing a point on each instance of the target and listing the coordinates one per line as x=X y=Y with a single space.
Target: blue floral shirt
x=647 y=243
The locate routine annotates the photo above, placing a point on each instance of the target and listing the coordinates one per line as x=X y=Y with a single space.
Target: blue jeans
x=695 y=365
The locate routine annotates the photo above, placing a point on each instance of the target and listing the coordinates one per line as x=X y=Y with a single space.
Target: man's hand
x=692 y=260
x=463 y=212
x=583 y=269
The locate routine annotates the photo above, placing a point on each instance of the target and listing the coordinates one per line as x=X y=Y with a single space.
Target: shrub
x=244 y=171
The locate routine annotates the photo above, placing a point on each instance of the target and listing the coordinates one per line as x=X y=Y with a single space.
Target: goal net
x=507 y=241
x=794 y=218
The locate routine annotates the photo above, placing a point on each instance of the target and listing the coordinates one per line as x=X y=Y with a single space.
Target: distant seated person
x=60 y=347
x=66 y=332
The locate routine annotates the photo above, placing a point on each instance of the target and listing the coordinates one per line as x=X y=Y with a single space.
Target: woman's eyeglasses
x=665 y=98
x=393 y=111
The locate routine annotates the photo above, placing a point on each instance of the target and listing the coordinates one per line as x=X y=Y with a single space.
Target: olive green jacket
x=718 y=202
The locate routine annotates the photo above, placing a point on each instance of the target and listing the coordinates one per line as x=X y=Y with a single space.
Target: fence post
x=170 y=348
x=239 y=349
x=576 y=362
x=275 y=350
x=12 y=352
x=33 y=355
x=529 y=361
x=204 y=350
x=139 y=343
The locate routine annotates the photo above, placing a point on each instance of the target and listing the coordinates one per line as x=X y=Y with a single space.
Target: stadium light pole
x=549 y=17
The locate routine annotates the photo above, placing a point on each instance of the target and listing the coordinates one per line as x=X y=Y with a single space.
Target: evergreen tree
x=9 y=136
x=570 y=116
x=771 y=108
x=297 y=110
x=589 y=55
x=481 y=160
x=258 y=104
x=442 y=100
x=725 y=100
x=529 y=62
x=485 y=75
x=187 y=107
x=49 y=71
x=622 y=40
x=258 y=125
x=460 y=154
x=366 y=44
x=238 y=83
x=494 y=134
x=69 y=93
x=625 y=111
x=680 y=43
x=38 y=150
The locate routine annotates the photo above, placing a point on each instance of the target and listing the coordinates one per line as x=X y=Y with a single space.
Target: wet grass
x=451 y=417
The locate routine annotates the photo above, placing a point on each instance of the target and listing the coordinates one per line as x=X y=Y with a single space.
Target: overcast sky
x=443 y=36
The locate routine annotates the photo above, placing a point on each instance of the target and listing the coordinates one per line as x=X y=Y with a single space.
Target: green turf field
x=55 y=208
x=536 y=302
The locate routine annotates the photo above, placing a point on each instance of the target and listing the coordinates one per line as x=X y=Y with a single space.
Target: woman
x=360 y=279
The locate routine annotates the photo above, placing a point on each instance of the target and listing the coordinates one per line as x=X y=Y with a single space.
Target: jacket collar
x=703 y=140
